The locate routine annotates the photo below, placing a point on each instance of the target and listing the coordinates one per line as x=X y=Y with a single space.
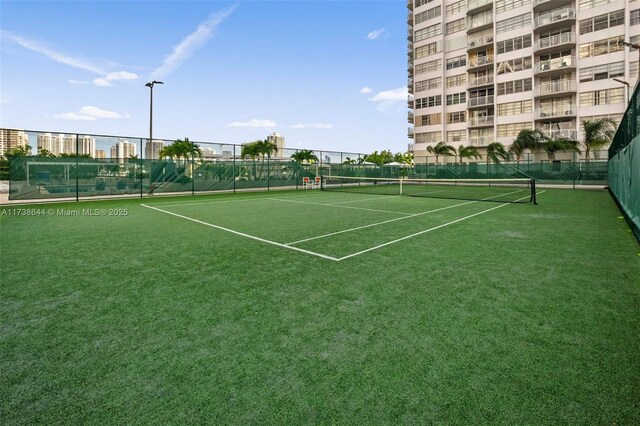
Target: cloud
x=91 y=113
x=77 y=81
x=374 y=35
x=366 y=90
x=53 y=54
x=191 y=43
x=255 y=123
x=312 y=126
x=114 y=76
x=393 y=95
x=390 y=101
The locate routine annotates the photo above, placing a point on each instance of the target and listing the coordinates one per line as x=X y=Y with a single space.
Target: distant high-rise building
x=480 y=70
x=100 y=154
x=123 y=149
x=152 y=149
x=86 y=145
x=52 y=143
x=278 y=141
x=12 y=138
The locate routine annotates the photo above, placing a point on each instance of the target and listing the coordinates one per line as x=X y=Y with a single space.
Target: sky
x=326 y=75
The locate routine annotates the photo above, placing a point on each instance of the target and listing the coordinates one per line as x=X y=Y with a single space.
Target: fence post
x=142 y=167
x=77 y=167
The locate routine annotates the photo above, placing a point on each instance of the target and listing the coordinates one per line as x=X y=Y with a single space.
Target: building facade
x=278 y=140
x=12 y=138
x=480 y=71
x=152 y=149
x=122 y=150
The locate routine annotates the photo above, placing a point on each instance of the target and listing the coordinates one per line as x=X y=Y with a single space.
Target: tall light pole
x=150 y=85
x=626 y=91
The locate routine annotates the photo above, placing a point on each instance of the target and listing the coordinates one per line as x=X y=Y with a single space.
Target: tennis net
x=521 y=190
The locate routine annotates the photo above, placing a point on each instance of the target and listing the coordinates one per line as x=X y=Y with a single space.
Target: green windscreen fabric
x=624 y=182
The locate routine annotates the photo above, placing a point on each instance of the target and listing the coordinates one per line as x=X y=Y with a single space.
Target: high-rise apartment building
x=278 y=140
x=152 y=149
x=480 y=70
x=122 y=150
x=12 y=138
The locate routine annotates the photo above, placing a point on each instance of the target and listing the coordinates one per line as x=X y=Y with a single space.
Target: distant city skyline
x=326 y=75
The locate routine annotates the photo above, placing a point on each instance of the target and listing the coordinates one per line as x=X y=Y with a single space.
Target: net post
x=400 y=185
x=322 y=180
x=533 y=192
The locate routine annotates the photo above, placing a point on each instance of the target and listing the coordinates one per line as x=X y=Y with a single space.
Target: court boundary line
x=339 y=206
x=327 y=257
x=242 y=234
x=429 y=230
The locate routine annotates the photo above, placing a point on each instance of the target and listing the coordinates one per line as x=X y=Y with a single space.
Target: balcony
x=570 y=134
x=410 y=132
x=544 y=5
x=480 y=140
x=556 y=64
x=559 y=41
x=410 y=18
x=410 y=34
x=410 y=117
x=410 y=101
x=475 y=6
x=410 y=147
x=410 y=4
x=486 y=121
x=554 y=88
x=479 y=23
x=480 y=101
x=555 y=112
x=479 y=42
x=555 y=18
x=480 y=62
x=480 y=81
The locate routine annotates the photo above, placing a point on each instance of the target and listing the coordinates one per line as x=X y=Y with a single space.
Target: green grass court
x=310 y=307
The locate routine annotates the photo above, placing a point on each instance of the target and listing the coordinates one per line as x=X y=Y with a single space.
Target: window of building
x=633 y=69
x=456 y=117
x=601 y=47
x=602 y=22
x=432 y=83
x=514 y=86
x=456 y=136
x=429 y=101
x=430 y=31
x=602 y=97
x=429 y=119
x=421 y=17
x=590 y=4
x=504 y=5
x=514 y=44
x=615 y=117
x=457 y=98
x=430 y=66
x=457 y=80
x=428 y=49
x=602 y=72
x=515 y=65
x=457 y=25
x=512 y=129
x=428 y=137
x=634 y=17
x=457 y=7
x=419 y=3
x=515 y=108
x=456 y=62
x=510 y=24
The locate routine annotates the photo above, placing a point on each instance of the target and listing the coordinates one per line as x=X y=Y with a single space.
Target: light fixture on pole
x=634 y=46
x=626 y=90
x=150 y=85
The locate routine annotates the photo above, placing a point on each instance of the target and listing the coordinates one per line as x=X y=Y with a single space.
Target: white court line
x=241 y=233
x=343 y=207
x=362 y=199
x=429 y=230
x=392 y=220
x=378 y=223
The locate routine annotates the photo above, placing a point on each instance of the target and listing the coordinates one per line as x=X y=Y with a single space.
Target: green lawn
x=204 y=312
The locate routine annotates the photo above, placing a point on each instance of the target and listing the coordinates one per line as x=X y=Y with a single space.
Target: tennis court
x=314 y=306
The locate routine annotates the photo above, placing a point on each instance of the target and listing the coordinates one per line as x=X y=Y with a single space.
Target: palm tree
x=597 y=134
x=551 y=146
x=495 y=152
x=527 y=139
x=441 y=149
x=167 y=151
x=265 y=148
x=43 y=152
x=251 y=150
x=304 y=156
x=468 y=152
x=19 y=151
x=348 y=160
